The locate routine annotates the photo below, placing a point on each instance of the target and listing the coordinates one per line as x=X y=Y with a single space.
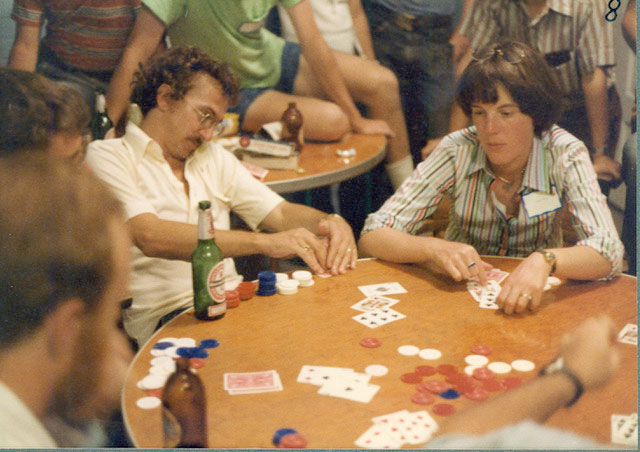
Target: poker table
x=320 y=165
x=315 y=327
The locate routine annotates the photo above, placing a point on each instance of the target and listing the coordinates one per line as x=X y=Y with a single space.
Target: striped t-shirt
x=576 y=28
x=457 y=168
x=89 y=35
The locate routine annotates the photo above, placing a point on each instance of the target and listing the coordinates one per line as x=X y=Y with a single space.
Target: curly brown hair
x=177 y=67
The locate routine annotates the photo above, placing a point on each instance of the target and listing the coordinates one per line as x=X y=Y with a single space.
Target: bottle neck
x=205 y=225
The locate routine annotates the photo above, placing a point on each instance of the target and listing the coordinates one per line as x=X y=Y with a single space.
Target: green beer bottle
x=208 y=269
x=100 y=123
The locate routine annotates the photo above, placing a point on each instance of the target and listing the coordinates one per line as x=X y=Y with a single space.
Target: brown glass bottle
x=292 y=126
x=184 y=419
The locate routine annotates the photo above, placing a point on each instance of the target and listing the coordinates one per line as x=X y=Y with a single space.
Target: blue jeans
x=629 y=222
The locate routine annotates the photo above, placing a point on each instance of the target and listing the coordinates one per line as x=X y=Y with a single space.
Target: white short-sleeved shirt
x=19 y=427
x=135 y=169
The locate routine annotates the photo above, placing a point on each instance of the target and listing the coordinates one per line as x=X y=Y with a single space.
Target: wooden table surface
x=320 y=165
x=315 y=327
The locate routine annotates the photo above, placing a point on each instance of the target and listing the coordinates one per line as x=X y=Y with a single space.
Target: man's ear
x=163 y=97
x=64 y=327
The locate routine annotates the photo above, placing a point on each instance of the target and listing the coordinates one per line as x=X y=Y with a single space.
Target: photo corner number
x=612 y=14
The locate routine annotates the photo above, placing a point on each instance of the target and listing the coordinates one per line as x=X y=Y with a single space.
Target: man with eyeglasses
x=163 y=168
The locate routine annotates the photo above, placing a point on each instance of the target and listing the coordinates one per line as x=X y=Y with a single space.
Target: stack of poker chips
x=266 y=283
x=246 y=290
x=232 y=298
x=288 y=438
x=304 y=277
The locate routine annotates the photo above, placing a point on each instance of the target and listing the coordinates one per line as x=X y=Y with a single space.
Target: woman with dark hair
x=507 y=177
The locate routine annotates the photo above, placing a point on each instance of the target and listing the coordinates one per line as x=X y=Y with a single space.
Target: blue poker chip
x=265 y=291
x=266 y=276
x=209 y=343
x=162 y=345
x=200 y=353
x=450 y=394
x=277 y=436
x=186 y=352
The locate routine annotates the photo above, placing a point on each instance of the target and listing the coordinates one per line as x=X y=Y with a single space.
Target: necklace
x=508 y=183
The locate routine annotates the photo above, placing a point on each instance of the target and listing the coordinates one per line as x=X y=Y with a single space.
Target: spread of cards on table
x=436 y=383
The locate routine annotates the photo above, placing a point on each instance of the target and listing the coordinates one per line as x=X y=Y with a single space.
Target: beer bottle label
x=215 y=283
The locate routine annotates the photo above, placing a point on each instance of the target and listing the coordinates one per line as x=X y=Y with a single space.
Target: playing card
x=490 y=295
x=624 y=429
x=629 y=334
x=359 y=392
x=495 y=274
x=382 y=289
x=251 y=382
x=378 y=317
x=475 y=289
x=378 y=436
x=418 y=428
x=372 y=303
x=317 y=375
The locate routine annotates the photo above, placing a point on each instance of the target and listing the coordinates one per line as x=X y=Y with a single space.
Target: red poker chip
x=155 y=392
x=457 y=378
x=512 y=382
x=371 y=342
x=196 y=363
x=446 y=369
x=478 y=394
x=411 y=378
x=245 y=141
x=466 y=386
x=422 y=398
x=293 y=441
x=425 y=371
x=232 y=302
x=481 y=350
x=436 y=386
x=443 y=409
x=482 y=373
x=493 y=385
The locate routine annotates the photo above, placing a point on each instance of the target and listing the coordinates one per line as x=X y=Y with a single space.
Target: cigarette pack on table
x=263 y=146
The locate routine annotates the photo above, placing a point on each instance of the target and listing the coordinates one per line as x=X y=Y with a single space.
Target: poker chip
x=476 y=360
x=293 y=441
x=457 y=378
x=192 y=352
x=288 y=287
x=246 y=290
x=162 y=345
x=209 y=343
x=161 y=370
x=304 y=277
x=152 y=382
x=450 y=394
x=443 y=409
x=481 y=350
x=408 y=350
x=435 y=386
x=425 y=371
x=523 y=365
x=465 y=386
x=281 y=277
x=512 y=382
x=446 y=369
x=371 y=342
x=553 y=281
x=162 y=361
x=499 y=367
x=266 y=283
x=376 y=370
x=411 y=378
x=157 y=393
x=422 y=398
x=469 y=370
x=196 y=363
x=493 y=385
x=483 y=373
x=186 y=342
x=148 y=403
x=277 y=436
x=430 y=354
x=232 y=298
x=478 y=394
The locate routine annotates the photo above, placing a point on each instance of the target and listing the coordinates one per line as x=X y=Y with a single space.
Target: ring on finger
x=349 y=250
x=471 y=264
x=306 y=247
x=527 y=296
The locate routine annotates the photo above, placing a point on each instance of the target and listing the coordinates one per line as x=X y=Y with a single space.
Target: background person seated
x=507 y=177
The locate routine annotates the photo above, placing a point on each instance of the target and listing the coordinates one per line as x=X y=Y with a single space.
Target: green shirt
x=229 y=30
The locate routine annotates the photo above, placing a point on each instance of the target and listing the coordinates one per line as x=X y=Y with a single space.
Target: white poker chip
x=430 y=354
x=302 y=275
x=469 y=369
x=376 y=370
x=162 y=370
x=186 y=342
x=288 y=287
x=172 y=352
x=553 y=281
x=309 y=282
x=499 y=367
x=523 y=365
x=152 y=382
x=281 y=277
x=159 y=353
x=476 y=360
x=408 y=350
x=162 y=361
x=148 y=403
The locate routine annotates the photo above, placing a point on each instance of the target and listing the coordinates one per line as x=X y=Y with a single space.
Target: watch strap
x=557 y=366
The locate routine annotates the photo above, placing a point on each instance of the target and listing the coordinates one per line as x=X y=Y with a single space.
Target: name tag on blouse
x=538 y=203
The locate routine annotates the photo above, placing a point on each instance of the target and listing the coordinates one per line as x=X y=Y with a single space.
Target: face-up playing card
x=372 y=303
x=400 y=427
x=318 y=375
x=252 y=382
x=382 y=289
x=629 y=334
x=359 y=392
x=490 y=295
x=378 y=436
x=624 y=429
x=378 y=317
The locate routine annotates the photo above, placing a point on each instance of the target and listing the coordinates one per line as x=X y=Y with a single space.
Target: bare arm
x=460 y=42
x=144 y=39
x=361 y=27
x=594 y=86
x=24 y=52
x=629 y=24
x=588 y=352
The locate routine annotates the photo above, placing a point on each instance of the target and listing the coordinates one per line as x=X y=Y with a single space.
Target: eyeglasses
x=514 y=57
x=207 y=120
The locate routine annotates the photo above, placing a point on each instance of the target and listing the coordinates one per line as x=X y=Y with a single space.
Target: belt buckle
x=405 y=21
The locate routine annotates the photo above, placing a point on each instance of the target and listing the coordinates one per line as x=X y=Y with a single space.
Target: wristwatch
x=557 y=366
x=549 y=258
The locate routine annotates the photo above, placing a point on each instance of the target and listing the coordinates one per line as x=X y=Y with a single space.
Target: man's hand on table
x=342 y=252
x=297 y=242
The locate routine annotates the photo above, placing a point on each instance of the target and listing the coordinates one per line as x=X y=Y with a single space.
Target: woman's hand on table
x=342 y=252
x=524 y=286
x=458 y=260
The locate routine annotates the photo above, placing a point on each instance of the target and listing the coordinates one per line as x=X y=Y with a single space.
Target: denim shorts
x=288 y=71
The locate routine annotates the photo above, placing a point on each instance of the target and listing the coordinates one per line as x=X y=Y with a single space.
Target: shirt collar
x=140 y=142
